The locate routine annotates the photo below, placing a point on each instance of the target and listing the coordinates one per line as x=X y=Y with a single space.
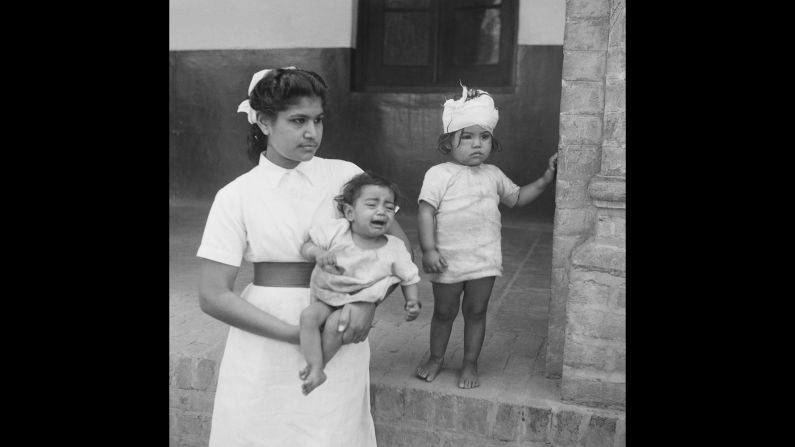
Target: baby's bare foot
x=430 y=369
x=304 y=372
x=314 y=378
x=469 y=376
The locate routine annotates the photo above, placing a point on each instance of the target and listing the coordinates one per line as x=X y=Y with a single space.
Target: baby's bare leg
x=332 y=338
x=311 y=319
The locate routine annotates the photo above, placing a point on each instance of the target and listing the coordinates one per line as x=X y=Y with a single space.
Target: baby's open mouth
x=378 y=222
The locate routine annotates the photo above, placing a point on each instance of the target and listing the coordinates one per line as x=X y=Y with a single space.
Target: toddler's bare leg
x=332 y=338
x=446 y=299
x=311 y=319
x=475 y=303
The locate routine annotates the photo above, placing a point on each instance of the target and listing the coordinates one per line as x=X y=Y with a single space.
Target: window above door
x=429 y=45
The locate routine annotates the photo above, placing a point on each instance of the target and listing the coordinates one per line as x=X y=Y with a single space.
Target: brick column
x=581 y=123
x=594 y=350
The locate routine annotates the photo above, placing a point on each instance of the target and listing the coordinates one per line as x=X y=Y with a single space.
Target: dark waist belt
x=282 y=274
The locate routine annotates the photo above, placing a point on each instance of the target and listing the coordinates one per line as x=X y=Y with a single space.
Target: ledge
x=608 y=192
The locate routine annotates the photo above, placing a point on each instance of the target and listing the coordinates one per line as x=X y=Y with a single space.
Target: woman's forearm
x=217 y=299
x=235 y=311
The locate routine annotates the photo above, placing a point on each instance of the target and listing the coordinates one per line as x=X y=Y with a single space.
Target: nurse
x=264 y=216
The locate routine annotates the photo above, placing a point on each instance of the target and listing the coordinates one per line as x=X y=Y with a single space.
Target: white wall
x=267 y=24
x=259 y=24
x=541 y=22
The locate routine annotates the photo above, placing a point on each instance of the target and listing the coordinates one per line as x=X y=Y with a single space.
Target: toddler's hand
x=553 y=162
x=549 y=174
x=412 y=308
x=433 y=262
x=328 y=262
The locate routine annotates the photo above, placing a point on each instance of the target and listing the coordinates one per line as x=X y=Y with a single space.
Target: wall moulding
x=608 y=191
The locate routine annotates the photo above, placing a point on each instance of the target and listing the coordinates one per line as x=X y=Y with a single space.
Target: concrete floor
x=512 y=359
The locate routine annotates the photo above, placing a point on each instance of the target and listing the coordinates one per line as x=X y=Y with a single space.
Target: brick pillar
x=594 y=347
x=581 y=126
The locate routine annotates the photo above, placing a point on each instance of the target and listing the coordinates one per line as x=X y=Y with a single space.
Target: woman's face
x=471 y=146
x=294 y=135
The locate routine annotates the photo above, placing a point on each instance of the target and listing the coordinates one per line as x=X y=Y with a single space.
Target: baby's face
x=372 y=212
x=472 y=146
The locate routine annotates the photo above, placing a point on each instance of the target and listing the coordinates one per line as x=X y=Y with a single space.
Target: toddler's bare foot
x=469 y=376
x=314 y=378
x=430 y=369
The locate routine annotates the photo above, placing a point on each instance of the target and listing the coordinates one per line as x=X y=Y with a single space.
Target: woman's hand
x=433 y=262
x=356 y=319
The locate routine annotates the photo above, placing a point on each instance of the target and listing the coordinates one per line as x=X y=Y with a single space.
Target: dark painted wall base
x=391 y=133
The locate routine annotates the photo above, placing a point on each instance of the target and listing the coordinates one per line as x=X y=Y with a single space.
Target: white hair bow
x=245 y=106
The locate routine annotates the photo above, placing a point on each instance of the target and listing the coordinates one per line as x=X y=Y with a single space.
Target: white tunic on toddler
x=468 y=223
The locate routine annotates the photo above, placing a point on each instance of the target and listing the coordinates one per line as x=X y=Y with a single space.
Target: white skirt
x=259 y=402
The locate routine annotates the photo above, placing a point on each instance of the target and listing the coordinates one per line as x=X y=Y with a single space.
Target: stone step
x=509 y=410
x=407 y=415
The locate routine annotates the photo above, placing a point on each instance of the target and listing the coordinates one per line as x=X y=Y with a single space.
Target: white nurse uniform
x=264 y=216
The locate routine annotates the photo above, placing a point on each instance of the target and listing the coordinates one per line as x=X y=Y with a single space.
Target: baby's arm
x=413 y=304
x=325 y=259
x=529 y=192
x=432 y=261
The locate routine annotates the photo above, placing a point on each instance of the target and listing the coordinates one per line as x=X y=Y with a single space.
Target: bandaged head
x=464 y=112
x=245 y=106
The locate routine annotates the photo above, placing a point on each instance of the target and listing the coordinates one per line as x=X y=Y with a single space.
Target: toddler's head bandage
x=245 y=106
x=462 y=113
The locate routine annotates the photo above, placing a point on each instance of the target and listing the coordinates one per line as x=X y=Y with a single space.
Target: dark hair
x=351 y=190
x=445 y=143
x=279 y=89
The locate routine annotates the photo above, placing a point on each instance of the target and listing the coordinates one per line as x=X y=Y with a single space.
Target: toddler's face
x=372 y=212
x=472 y=146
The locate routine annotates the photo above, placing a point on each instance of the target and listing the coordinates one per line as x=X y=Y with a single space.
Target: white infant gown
x=367 y=274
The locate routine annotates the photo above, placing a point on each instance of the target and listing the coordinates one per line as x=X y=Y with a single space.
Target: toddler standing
x=459 y=227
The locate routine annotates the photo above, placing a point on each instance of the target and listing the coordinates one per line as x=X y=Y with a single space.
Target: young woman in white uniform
x=264 y=216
